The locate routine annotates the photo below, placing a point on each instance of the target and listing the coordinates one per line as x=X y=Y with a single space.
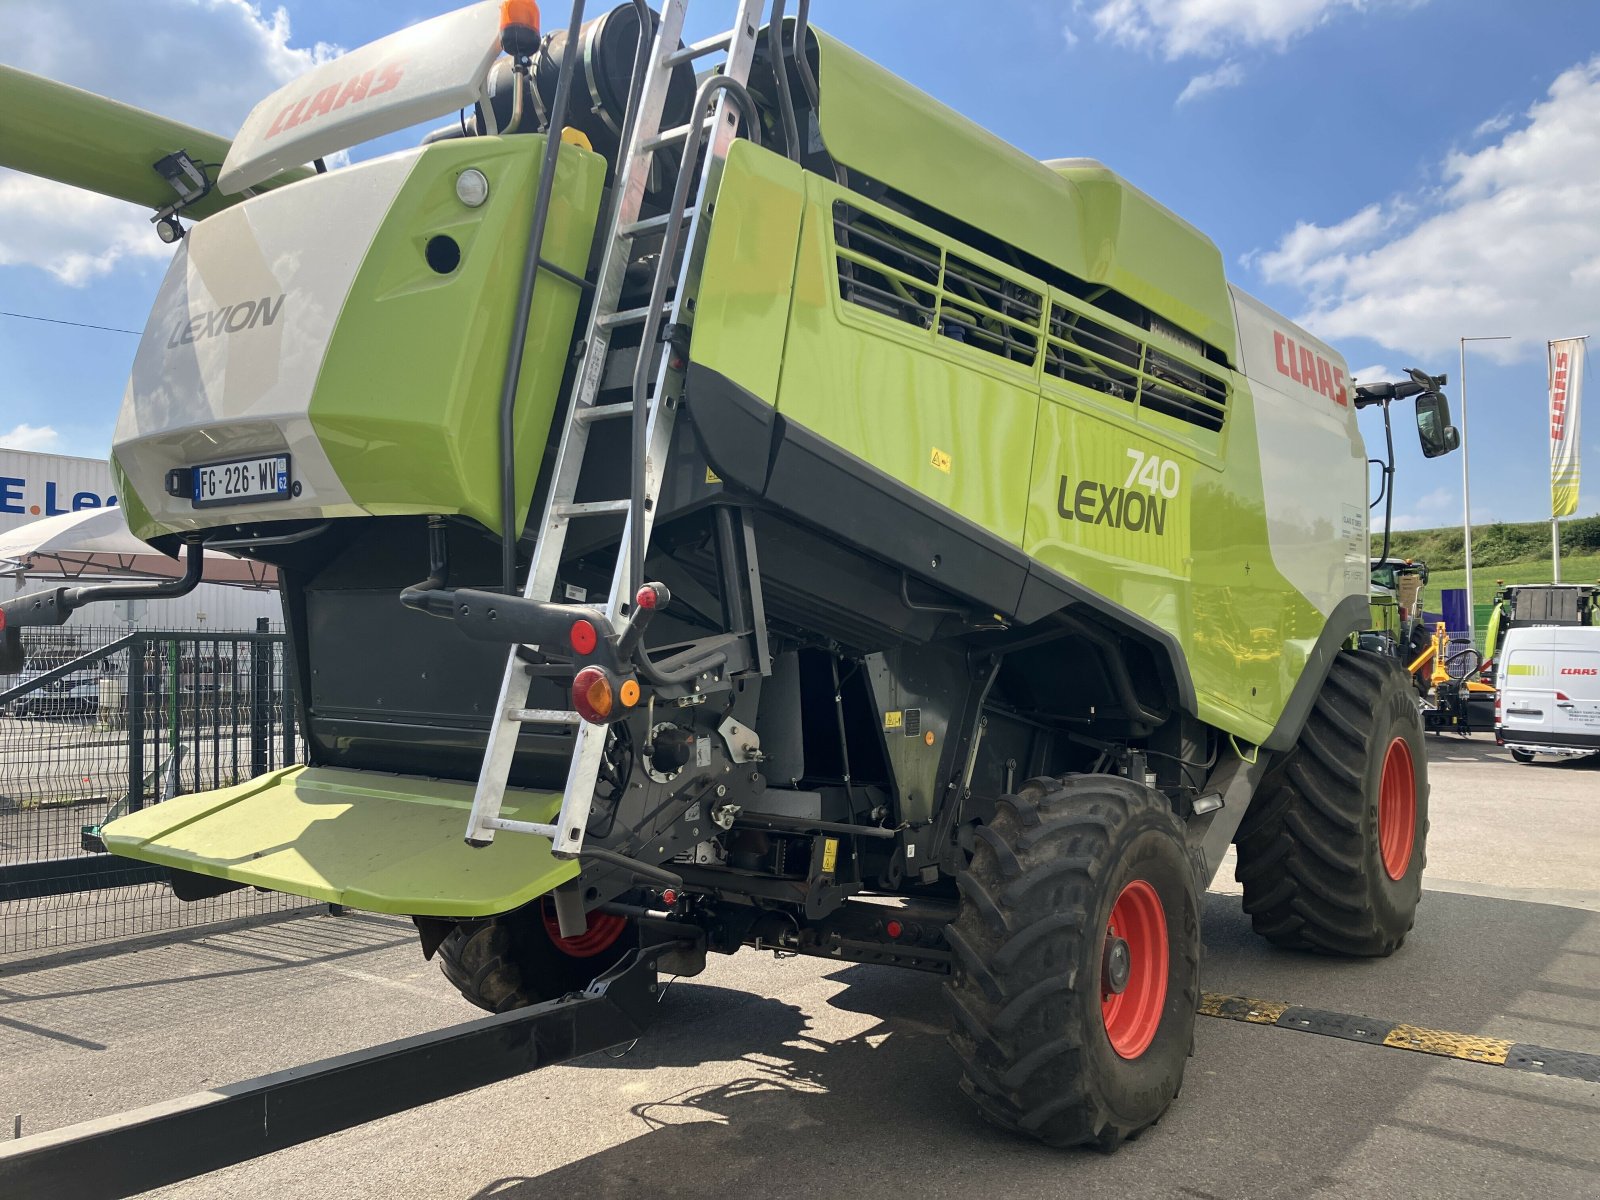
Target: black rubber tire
x=1028 y=938
x=509 y=961
x=1522 y=756
x=1309 y=852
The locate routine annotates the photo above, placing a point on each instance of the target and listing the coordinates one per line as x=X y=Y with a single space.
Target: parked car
x=74 y=694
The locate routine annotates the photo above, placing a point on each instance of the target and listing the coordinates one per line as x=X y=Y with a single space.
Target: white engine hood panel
x=430 y=69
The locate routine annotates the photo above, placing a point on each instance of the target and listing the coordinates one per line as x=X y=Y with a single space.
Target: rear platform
x=384 y=843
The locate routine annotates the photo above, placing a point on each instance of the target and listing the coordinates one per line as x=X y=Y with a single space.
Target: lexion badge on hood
x=231 y=318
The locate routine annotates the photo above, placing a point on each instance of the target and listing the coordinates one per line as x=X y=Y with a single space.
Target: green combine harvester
x=725 y=498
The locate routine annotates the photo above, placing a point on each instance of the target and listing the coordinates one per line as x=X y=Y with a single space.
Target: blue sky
x=1394 y=173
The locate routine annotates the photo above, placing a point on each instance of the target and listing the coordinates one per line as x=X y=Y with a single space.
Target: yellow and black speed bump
x=1519 y=1056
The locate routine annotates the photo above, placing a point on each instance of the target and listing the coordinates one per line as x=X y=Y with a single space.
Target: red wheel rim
x=604 y=929
x=1133 y=1015
x=1397 y=809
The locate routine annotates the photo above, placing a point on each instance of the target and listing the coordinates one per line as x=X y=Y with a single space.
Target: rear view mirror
x=1434 y=430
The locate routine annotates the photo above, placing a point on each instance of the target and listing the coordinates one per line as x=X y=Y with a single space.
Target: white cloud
x=1509 y=244
x=204 y=62
x=1495 y=124
x=1228 y=75
x=1373 y=374
x=1071 y=37
x=1210 y=28
x=30 y=437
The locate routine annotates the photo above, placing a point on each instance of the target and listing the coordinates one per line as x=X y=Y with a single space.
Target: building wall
x=47 y=485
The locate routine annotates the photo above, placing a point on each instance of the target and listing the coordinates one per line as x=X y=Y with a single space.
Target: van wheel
x=1331 y=849
x=1522 y=756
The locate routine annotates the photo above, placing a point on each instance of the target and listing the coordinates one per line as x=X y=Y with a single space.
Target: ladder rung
x=699 y=50
x=510 y=826
x=650 y=224
x=629 y=316
x=543 y=716
x=593 y=508
x=602 y=412
x=671 y=137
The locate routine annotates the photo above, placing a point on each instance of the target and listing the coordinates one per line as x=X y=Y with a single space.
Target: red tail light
x=592 y=695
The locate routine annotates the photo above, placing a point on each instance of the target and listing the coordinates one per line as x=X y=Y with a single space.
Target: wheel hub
x=1115 y=965
x=1134 y=965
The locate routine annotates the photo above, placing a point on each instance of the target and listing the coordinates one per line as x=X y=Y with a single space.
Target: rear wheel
x=1077 y=961
x=1331 y=850
x=520 y=958
x=1522 y=756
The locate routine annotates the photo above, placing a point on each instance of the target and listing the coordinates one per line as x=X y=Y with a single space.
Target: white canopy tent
x=96 y=542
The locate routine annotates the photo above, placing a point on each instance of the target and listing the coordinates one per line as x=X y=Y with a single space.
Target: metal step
x=592 y=508
x=604 y=412
x=674 y=136
x=649 y=225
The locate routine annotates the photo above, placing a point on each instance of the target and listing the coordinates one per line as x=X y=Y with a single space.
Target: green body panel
x=742 y=308
x=407 y=402
x=992 y=439
x=75 y=137
x=384 y=843
x=952 y=422
x=140 y=522
x=1203 y=571
x=1491 y=635
x=1081 y=219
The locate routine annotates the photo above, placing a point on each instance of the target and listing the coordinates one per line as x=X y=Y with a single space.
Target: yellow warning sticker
x=893 y=720
x=830 y=854
x=939 y=460
x=712 y=476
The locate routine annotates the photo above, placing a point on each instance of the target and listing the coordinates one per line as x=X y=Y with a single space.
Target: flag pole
x=1555 y=521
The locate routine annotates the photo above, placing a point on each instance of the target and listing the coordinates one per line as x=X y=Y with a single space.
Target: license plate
x=242 y=481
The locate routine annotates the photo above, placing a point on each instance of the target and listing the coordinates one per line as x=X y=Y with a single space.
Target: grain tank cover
x=424 y=71
x=1074 y=215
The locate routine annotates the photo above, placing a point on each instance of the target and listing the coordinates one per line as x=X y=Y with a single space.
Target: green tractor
x=759 y=508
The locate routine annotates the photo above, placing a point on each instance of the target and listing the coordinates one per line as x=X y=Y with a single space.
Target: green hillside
x=1515 y=553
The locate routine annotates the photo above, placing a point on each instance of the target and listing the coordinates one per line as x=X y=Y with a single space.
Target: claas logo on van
x=1580 y=670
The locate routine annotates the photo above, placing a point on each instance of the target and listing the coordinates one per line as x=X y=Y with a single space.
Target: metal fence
x=102 y=722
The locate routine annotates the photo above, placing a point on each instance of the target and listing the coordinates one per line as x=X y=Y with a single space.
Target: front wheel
x=1077 y=961
x=1331 y=849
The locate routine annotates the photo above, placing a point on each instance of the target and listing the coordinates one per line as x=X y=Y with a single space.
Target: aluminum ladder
x=679 y=264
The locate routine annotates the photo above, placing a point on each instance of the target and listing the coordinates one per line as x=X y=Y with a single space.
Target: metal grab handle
x=658 y=297
x=519 y=324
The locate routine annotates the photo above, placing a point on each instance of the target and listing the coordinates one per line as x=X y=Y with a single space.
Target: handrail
x=509 y=532
x=658 y=296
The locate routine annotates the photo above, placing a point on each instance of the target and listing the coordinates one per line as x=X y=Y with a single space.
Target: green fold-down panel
x=385 y=843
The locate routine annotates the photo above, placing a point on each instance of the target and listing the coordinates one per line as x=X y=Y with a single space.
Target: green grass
x=1584 y=568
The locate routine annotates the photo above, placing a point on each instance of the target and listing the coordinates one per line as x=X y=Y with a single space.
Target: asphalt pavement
x=798 y=1077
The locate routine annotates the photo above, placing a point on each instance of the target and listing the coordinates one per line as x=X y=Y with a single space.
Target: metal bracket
x=151 y=1147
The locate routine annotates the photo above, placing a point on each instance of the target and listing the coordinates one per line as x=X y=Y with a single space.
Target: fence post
x=136 y=724
x=260 y=698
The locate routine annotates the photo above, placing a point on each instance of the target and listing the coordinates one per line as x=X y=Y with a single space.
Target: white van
x=1549 y=698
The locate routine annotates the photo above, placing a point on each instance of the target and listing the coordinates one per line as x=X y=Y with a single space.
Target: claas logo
x=1580 y=670
x=1309 y=369
x=335 y=96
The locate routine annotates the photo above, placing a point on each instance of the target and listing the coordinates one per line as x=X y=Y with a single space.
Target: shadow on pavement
x=1451 y=748
x=1265 y=1112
